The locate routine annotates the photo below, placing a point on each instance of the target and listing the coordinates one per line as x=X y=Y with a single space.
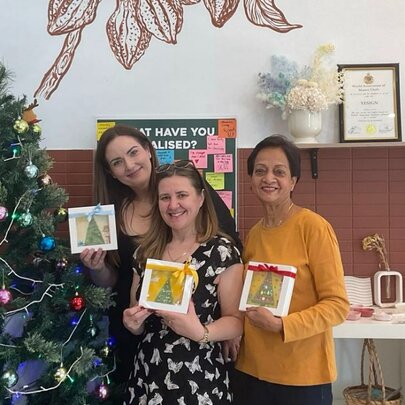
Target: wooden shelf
x=348 y=145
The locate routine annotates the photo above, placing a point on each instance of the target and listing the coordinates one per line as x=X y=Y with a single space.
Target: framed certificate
x=371 y=107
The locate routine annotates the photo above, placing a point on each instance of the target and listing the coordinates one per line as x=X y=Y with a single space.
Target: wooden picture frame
x=371 y=109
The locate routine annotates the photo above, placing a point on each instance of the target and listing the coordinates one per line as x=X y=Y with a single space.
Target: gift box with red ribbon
x=268 y=285
x=168 y=285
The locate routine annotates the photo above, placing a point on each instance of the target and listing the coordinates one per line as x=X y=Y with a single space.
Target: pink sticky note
x=223 y=163
x=226 y=197
x=199 y=157
x=215 y=145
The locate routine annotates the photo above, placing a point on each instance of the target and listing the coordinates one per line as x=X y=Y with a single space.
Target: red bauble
x=77 y=303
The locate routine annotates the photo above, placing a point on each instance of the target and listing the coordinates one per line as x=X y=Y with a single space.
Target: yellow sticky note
x=102 y=126
x=217 y=180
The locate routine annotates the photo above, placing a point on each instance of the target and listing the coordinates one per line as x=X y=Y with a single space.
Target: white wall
x=210 y=72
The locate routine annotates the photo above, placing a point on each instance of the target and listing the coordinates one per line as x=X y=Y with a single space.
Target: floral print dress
x=174 y=370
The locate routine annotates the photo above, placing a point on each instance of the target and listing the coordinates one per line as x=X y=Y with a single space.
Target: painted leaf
x=162 y=18
x=221 y=10
x=128 y=39
x=265 y=14
x=65 y=16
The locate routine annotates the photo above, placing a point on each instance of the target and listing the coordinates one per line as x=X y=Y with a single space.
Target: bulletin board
x=209 y=143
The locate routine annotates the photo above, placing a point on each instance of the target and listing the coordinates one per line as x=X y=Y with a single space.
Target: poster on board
x=209 y=143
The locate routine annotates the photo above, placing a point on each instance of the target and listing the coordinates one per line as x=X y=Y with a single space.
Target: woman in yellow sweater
x=290 y=360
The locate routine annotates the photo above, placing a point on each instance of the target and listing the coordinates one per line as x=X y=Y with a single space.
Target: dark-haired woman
x=290 y=360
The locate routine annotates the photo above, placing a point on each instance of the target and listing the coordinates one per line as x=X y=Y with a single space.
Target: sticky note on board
x=223 y=163
x=217 y=180
x=215 y=145
x=227 y=128
x=103 y=126
x=226 y=197
x=165 y=156
x=199 y=157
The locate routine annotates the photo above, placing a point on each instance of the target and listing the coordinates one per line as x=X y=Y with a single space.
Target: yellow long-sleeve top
x=304 y=353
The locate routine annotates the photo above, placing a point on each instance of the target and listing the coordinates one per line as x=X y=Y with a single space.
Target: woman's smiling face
x=271 y=179
x=179 y=202
x=129 y=162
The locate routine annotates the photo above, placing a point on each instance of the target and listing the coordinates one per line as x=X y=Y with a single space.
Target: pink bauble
x=5 y=296
x=3 y=213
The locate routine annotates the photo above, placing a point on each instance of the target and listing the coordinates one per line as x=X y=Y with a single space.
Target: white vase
x=305 y=125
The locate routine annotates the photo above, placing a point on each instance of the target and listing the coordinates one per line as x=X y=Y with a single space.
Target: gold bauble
x=21 y=127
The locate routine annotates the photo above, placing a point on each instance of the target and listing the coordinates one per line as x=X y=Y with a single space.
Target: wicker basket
x=375 y=392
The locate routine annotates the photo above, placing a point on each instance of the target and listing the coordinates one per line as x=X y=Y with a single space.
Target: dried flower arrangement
x=377 y=243
x=313 y=88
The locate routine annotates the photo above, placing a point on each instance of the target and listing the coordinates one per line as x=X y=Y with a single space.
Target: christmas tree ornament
x=47 y=243
x=36 y=129
x=60 y=374
x=61 y=264
x=15 y=149
x=21 y=126
x=60 y=214
x=31 y=170
x=3 y=213
x=5 y=296
x=25 y=219
x=29 y=114
x=101 y=391
x=9 y=378
x=77 y=303
x=44 y=180
x=92 y=331
x=97 y=362
x=105 y=351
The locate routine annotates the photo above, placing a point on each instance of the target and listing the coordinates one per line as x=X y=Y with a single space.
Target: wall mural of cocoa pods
x=134 y=23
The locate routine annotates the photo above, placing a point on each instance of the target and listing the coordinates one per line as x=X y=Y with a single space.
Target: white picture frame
x=92 y=227
x=277 y=298
x=153 y=275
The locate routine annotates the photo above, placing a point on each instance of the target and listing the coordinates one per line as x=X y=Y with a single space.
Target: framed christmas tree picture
x=92 y=227
x=268 y=285
x=168 y=285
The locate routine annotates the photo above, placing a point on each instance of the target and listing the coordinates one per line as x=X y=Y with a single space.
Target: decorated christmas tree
x=54 y=348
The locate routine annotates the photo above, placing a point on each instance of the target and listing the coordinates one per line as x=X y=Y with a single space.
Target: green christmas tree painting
x=54 y=348
x=165 y=294
x=93 y=234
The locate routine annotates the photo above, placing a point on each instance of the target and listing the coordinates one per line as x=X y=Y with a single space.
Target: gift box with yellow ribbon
x=168 y=285
x=268 y=285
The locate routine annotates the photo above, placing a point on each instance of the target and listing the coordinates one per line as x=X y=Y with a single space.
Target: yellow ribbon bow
x=177 y=279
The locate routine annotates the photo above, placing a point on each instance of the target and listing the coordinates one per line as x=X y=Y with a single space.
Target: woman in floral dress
x=179 y=358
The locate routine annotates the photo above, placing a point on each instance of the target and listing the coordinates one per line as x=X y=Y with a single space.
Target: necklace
x=281 y=220
x=183 y=255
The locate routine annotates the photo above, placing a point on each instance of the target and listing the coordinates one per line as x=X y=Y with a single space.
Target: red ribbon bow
x=273 y=269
